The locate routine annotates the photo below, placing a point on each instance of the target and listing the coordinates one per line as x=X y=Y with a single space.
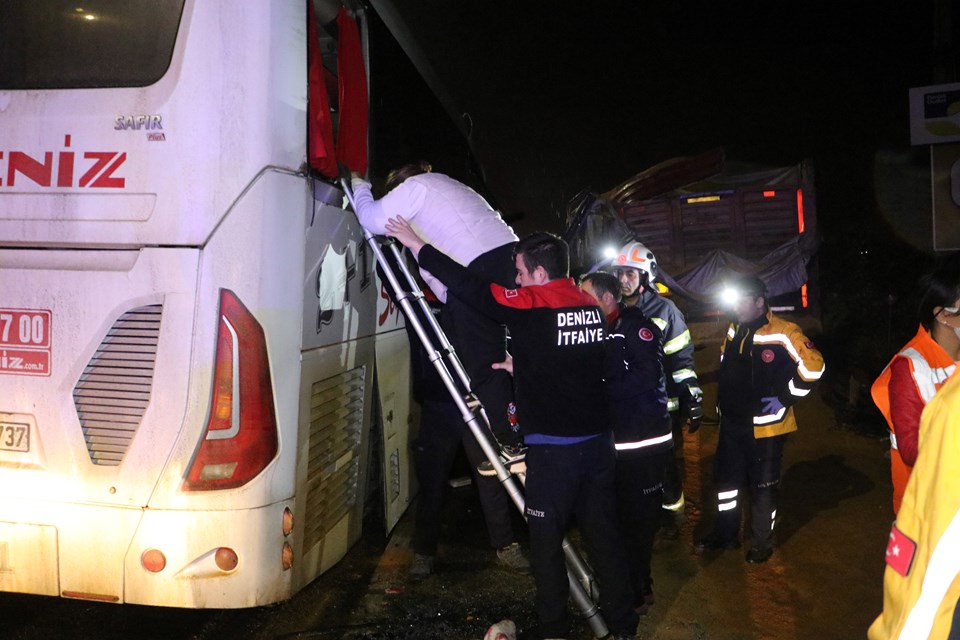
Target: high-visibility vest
x=930 y=366
x=921 y=584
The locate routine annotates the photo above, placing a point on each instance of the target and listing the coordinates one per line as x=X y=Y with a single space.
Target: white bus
x=195 y=350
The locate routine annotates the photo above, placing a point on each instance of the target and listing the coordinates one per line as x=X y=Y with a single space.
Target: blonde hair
x=397 y=176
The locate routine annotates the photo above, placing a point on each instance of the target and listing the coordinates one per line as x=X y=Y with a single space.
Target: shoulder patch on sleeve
x=515 y=298
x=900 y=551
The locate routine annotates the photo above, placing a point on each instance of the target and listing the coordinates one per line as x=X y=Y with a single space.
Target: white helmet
x=638 y=256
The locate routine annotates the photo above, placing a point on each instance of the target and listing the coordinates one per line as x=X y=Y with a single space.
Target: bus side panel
x=258 y=254
x=336 y=407
x=336 y=395
x=399 y=419
x=341 y=285
x=323 y=399
x=344 y=299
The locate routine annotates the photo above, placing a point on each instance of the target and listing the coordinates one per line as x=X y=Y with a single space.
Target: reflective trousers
x=747 y=464
x=673 y=471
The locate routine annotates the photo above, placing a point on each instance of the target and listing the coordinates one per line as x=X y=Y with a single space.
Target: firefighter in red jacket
x=766 y=365
x=557 y=334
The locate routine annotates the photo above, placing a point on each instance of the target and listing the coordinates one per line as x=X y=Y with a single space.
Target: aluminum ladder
x=583 y=587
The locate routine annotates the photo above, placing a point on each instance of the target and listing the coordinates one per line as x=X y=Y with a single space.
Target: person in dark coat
x=642 y=430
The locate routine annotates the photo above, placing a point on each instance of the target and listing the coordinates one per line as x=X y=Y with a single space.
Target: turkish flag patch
x=900 y=551
x=646 y=335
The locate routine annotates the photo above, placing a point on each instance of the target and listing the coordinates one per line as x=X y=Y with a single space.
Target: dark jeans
x=480 y=342
x=639 y=496
x=441 y=432
x=744 y=461
x=563 y=482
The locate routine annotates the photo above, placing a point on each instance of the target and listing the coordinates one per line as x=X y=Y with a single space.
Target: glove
x=771 y=405
x=695 y=415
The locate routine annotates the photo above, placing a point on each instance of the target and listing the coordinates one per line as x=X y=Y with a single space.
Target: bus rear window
x=59 y=44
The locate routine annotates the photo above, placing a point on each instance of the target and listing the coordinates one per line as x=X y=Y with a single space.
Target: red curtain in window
x=320 y=150
x=351 y=147
x=354 y=107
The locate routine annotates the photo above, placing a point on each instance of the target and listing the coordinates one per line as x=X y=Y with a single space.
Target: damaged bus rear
x=200 y=372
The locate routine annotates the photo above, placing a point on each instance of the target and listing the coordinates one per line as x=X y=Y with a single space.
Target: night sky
x=564 y=100
x=583 y=97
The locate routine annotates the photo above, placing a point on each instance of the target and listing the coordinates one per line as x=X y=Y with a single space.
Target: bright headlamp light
x=729 y=296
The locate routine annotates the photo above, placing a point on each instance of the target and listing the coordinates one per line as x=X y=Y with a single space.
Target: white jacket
x=446 y=213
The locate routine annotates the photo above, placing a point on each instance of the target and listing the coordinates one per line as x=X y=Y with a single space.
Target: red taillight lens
x=241 y=435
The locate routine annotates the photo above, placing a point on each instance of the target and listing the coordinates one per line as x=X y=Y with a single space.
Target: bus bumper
x=101 y=557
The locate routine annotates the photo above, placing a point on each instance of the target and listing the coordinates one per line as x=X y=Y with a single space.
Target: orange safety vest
x=930 y=366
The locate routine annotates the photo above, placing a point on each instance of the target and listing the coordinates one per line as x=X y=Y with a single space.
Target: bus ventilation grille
x=333 y=470
x=114 y=390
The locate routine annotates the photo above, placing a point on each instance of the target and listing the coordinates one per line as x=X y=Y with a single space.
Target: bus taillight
x=241 y=435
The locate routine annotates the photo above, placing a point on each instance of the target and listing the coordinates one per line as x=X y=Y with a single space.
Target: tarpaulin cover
x=783 y=270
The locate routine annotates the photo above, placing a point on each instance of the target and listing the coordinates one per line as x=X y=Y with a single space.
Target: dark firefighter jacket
x=635 y=385
x=683 y=388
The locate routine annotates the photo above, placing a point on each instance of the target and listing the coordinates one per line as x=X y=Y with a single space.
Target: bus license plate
x=14 y=436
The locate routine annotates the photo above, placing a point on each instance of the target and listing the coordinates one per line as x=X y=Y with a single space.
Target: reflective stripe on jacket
x=785 y=364
x=635 y=386
x=930 y=366
x=921 y=603
x=683 y=387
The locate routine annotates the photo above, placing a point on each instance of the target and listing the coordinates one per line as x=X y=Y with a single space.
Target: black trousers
x=673 y=471
x=480 y=342
x=746 y=463
x=639 y=496
x=576 y=481
x=442 y=430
